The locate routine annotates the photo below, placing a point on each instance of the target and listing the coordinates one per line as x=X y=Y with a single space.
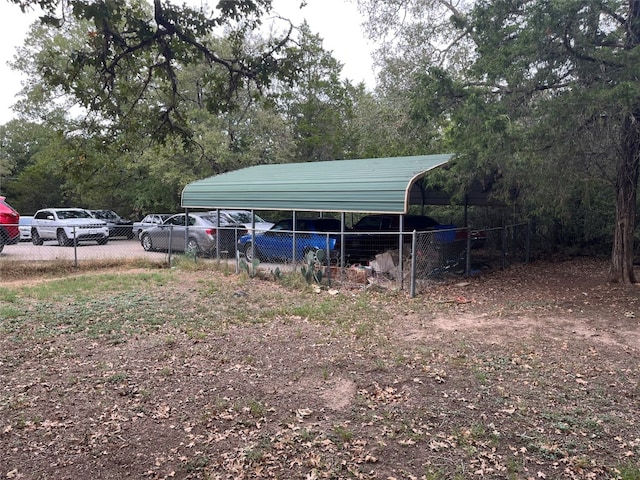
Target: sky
x=336 y=21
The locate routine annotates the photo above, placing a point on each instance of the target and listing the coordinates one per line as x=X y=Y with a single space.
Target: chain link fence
x=354 y=259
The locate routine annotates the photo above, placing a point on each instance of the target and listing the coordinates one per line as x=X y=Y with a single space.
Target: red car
x=9 y=218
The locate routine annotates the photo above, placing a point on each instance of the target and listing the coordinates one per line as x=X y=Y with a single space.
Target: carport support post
x=253 y=233
x=342 y=245
x=217 y=234
x=293 y=253
x=186 y=230
x=328 y=252
x=400 y=241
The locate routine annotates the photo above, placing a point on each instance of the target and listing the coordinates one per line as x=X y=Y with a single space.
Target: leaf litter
x=535 y=374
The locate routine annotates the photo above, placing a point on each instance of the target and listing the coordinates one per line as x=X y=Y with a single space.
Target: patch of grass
x=16 y=270
x=629 y=471
x=82 y=285
x=8 y=295
x=9 y=312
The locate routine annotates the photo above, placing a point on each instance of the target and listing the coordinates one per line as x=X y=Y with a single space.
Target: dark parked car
x=9 y=220
x=118 y=226
x=366 y=245
x=277 y=242
x=197 y=232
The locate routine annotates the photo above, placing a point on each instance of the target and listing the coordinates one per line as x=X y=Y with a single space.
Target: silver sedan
x=199 y=234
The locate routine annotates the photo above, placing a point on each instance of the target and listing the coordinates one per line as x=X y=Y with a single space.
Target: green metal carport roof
x=370 y=185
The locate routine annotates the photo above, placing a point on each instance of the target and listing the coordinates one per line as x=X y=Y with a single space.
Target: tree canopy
x=529 y=92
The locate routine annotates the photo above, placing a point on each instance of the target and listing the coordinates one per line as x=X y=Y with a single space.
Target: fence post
x=467 y=263
x=504 y=247
x=528 y=243
x=170 y=242
x=75 y=247
x=412 y=287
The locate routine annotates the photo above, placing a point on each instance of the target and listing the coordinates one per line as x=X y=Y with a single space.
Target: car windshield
x=243 y=217
x=207 y=218
x=66 y=214
x=105 y=214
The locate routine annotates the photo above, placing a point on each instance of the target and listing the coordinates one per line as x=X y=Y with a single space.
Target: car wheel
x=103 y=241
x=63 y=240
x=2 y=242
x=35 y=238
x=250 y=252
x=146 y=242
x=192 y=246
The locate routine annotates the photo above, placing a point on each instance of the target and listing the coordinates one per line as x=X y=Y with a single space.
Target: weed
x=342 y=434
x=514 y=468
x=116 y=378
x=306 y=435
x=196 y=334
x=481 y=377
x=254 y=455
x=257 y=409
x=197 y=463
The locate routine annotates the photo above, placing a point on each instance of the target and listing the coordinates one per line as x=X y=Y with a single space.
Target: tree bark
x=628 y=169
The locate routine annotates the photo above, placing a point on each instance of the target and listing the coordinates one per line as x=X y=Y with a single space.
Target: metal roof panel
x=371 y=185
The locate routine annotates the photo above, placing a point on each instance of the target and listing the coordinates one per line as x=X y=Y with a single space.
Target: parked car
x=25 y=228
x=149 y=221
x=277 y=242
x=67 y=225
x=366 y=245
x=245 y=218
x=118 y=226
x=9 y=219
x=200 y=235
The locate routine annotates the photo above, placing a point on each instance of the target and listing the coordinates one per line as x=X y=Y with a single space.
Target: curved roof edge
x=370 y=185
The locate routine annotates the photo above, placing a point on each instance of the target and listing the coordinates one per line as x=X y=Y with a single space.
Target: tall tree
x=127 y=63
x=318 y=104
x=580 y=57
x=547 y=85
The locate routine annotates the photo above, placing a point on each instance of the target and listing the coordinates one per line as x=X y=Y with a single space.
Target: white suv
x=67 y=226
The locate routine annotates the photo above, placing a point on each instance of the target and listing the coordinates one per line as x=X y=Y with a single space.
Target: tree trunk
x=622 y=256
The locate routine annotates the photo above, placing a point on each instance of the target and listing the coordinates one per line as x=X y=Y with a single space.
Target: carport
x=373 y=185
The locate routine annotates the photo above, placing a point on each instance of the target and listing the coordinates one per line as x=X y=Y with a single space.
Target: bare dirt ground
x=530 y=373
